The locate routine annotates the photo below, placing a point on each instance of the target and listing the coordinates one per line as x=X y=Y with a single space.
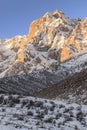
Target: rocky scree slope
x=56 y=46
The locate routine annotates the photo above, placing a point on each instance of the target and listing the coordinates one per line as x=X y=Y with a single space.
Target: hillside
x=72 y=89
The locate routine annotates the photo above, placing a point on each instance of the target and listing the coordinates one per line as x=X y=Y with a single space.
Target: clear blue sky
x=16 y=15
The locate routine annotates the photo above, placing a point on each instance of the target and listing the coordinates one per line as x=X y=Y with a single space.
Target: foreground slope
x=28 y=113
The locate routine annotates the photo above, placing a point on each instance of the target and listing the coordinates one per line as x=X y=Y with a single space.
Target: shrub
x=30 y=113
x=1 y=99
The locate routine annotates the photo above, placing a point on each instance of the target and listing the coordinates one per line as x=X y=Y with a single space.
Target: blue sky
x=16 y=15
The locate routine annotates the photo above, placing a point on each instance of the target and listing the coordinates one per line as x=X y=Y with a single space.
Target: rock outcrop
x=52 y=40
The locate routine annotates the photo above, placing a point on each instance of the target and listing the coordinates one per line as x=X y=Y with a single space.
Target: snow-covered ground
x=29 y=113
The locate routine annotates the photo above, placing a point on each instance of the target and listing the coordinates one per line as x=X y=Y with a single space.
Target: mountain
x=49 y=62
x=54 y=49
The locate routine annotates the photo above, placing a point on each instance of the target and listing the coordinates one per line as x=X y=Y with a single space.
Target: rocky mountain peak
x=58 y=14
x=52 y=40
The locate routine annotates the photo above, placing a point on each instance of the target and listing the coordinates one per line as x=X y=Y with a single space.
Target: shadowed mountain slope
x=74 y=89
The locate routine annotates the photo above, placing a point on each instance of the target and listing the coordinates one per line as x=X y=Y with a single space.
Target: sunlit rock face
x=57 y=31
x=18 y=45
x=52 y=40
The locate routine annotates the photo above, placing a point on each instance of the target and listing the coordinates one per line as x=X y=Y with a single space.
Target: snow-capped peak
x=52 y=40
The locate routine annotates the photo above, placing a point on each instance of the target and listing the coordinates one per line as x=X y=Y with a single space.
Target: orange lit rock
x=65 y=54
x=36 y=28
x=51 y=32
x=20 y=57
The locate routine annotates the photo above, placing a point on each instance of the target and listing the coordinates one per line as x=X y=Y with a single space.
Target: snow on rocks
x=52 y=39
x=28 y=113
